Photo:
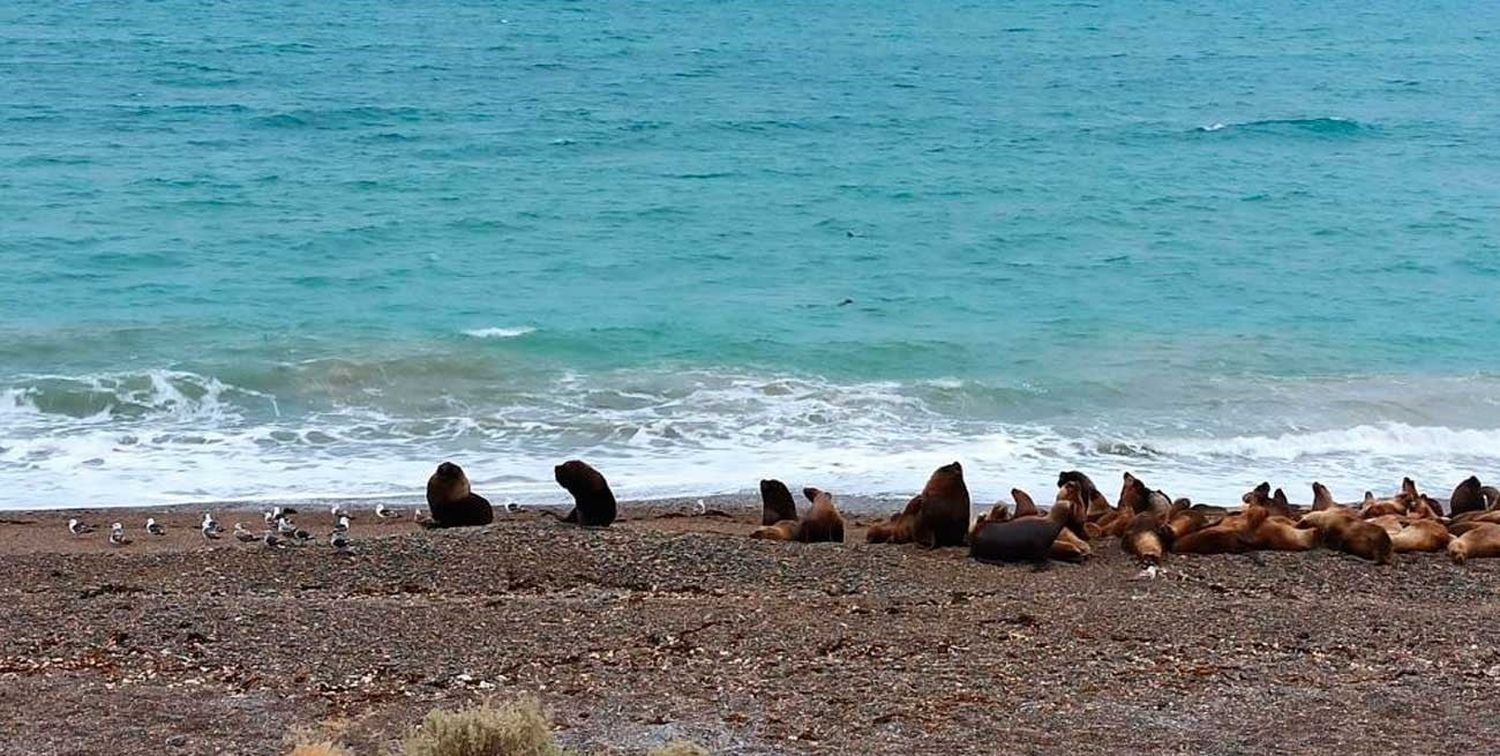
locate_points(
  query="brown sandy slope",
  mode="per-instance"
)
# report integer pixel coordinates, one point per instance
(670, 626)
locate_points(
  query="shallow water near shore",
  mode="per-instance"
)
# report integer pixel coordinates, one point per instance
(703, 246)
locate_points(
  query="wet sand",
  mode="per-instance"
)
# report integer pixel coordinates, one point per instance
(677, 626)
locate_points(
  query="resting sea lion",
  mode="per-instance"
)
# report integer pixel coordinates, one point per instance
(1342, 530)
(1491, 497)
(1148, 538)
(1187, 521)
(943, 519)
(451, 503)
(821, 524)
(1069, 547)
(1481, 541)
(1264, 530)
(1221, 538)
(776, 503)
(898, 529)
(1097, 505)
(1421, 535)
(1467, 497)
(1322, 498)
(593, 502)
(1029, 539)
(1025, 507)
(1134, 496)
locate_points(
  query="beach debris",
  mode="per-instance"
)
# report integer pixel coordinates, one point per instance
(79, 528)
(155, 528)
(1148, 573)
(386, 513)
(117, 535)
(210, 528)
(244, 536)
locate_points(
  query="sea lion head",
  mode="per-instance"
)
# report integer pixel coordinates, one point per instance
(1258, 494)
(1458, 551)
(812, 494)
(449, 470)
(1134, 494)
(448, 483)
(1322, 497)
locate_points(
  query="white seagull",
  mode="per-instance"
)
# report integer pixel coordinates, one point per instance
(78, 528)
(244, 536)
(343, 524)
(511, 506)
(337, 512)
(117, 535)
(339, 540)
(386, 513)
(154, 528)
(285, 526)
(700, 508)
(210, 527)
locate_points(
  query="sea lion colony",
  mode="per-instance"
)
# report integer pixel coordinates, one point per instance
(1148, 524)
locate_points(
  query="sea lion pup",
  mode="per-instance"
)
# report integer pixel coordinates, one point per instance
(1467, 497)
(943, 518)
(1030, 539)
(776, 502)
(593, 502)
(451, 503)
(897, 529)
(1421, 535)
(1483, 540)
(1097, 505)
(1343, 530)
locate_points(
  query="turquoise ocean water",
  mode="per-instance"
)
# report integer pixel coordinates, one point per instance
(280, 249)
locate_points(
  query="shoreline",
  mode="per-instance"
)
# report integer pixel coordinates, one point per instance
(670, 625)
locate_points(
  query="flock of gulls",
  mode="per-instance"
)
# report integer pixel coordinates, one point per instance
(278, 531)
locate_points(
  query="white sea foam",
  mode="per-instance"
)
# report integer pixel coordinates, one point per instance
(499, 333)
(167, 436)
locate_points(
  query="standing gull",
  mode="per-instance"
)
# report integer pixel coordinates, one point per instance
(343, 524)
(154, 528)
(244, 536)
(117, 535)
(210, 527)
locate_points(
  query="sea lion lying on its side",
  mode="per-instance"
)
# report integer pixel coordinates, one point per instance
(1030, 539)
(899, 528)
(1342, 530)
(821, 524)
(593, 502)
(1483, 540)
(451, 503)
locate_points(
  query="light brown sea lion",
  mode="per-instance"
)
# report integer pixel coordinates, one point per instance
(1281, 507)
(776, 502)
(1148, 538)
(943, 519)
(1187, 521)
(593, 502)
(1222, 538)
(1482, 541)
(1421, 535)
(1098, 506)
(1467, 497)
(1374, 507)
(1425, 507)
(1030, 539)
(1069, 547)
(822, 522)
(1024, 505)
(451, 503)
(897, 529)
(1263, 530)
(1322, 498)
(1261, 495)
(1342, 530)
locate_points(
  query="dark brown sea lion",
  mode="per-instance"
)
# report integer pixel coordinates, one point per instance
(1281, 507)
(1481, 541)
(943, 519)
(1343, 530)
(1098, 506)
(451, 503)
(1467, 497)
(1491, 497)
(1134, 495)
(897, 529)
(593, 502)
(1030, 539)
(776, 503)
(1069, 547)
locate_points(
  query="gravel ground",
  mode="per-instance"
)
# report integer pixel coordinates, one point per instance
(674, 626)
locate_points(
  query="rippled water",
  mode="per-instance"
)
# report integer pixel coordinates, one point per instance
(283, 249)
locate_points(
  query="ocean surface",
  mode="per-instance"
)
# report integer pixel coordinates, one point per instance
(287, 249)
